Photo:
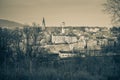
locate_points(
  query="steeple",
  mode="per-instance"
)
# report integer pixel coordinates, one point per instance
(43, 24)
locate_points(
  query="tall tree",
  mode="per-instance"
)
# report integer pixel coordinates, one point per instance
(35, 31)
(112, 7)
(31, 34)
(17, 37)
(5, 48)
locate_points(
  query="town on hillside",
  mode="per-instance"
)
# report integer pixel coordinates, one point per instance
(40, 52)
(69, 41)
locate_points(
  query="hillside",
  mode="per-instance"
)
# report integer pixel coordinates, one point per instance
(10, 24)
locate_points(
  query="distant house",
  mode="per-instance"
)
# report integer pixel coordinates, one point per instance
(105, 29)
(91, 42)
(63, 39)
(112, 41)
(102, 42)
(66, 55)
(92, 29)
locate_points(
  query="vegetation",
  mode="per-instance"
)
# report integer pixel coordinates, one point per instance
(28, 62)
(113, 8)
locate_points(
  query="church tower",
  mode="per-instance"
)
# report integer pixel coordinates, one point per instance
(43, 24)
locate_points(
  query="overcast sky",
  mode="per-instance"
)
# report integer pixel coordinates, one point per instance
(72, 12)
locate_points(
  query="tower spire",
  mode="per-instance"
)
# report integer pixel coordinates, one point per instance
(43, 24)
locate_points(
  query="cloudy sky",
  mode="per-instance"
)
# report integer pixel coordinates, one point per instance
(72, 12)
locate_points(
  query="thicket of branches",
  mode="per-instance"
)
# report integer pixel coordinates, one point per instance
(112, 7)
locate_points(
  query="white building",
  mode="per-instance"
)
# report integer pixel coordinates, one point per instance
(63, 39)
(66, 55)
(92, 29)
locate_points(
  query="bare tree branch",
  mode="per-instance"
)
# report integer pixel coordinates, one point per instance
(112, 7)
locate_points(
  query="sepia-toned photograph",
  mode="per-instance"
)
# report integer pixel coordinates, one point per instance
(59, 39)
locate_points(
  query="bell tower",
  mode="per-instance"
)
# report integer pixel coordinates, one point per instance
(63, 25)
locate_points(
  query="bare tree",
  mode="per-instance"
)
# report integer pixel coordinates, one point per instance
(112, 7)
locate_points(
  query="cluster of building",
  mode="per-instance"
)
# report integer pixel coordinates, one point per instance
(77, 40)
(69, 41)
